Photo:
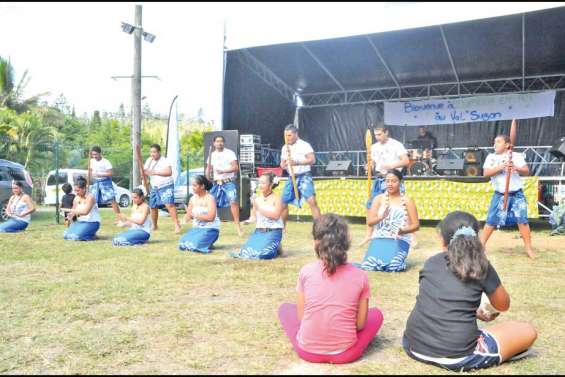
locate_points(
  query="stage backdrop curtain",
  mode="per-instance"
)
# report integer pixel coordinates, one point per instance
(434, 198)
(342, 128)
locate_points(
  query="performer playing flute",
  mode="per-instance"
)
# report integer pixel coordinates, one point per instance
(301, 157)
(496, 166)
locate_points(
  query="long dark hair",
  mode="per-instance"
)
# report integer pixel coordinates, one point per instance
(465, 253)
(139, 192)
(333, 235)
(203, 181)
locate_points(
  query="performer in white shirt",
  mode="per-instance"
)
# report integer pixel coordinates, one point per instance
(162, 186)
(496, 167)
(222, 169)
(302, 156)
(101, 186)
(387, 153)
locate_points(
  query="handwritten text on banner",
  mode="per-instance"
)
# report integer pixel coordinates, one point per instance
(470, 109)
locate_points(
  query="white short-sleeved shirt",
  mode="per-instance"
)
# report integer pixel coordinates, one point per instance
(387, 153)
(298, 151)
(98, 167)
(157, 180)
(222, 160)
(498, 181)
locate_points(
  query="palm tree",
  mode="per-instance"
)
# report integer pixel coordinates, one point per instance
(11, 95)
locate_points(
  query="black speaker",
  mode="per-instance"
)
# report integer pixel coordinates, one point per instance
(558, 149)
(473, 170)
(450, 166)
(338, 168)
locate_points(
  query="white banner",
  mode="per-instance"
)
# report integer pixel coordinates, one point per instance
(470, 109)
(173, 141)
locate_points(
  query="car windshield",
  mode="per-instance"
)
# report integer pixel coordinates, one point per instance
(182, 178)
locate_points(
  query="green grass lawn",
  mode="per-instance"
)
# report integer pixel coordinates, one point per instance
(88, 307)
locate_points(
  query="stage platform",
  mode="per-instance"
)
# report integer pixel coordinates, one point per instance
(435, 196)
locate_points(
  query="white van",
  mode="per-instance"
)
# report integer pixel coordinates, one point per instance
(123, 196)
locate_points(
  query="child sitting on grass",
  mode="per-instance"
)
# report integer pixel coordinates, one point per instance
(331, 322)
(442, 328)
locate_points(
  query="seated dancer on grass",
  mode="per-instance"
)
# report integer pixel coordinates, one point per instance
(19, 210)
(205, 222)
(496, 167)
(265, 242)
(442, 328)
(86, 210)
(139, 222)
(331, 322)
(394, 218)
(386, 154)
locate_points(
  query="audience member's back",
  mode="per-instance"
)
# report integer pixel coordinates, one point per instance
(331, 322)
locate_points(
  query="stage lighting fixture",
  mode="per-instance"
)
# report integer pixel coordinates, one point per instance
(127, 28)
(148, 37)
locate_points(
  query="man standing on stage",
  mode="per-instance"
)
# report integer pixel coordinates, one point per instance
(223, 165)
(160, 171)
(302, 156)
(386, 154)
(101, 186)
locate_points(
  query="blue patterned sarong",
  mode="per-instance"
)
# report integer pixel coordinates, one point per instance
(225, 194)
(199, 240)
(131, 237)
(385, 254)
(260, 245)
(161, 196)
(13, 226)
(516, 213)
(103, 190)
(379, 187)
(82, 231)
(305, 186)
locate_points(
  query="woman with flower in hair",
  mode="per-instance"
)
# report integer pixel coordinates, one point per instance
(331, 321)
(442, 328)
(393, 217)
(265, 242)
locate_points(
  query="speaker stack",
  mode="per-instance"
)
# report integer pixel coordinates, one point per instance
(473, 166)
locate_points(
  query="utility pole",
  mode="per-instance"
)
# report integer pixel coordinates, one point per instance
(138, 32)
(136, 96)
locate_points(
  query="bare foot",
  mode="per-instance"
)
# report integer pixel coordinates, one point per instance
(178, 229)
(154, 228)
(530, 253)
(239, 231)
(364, 241)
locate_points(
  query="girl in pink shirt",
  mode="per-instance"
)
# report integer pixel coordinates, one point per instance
(331, 322)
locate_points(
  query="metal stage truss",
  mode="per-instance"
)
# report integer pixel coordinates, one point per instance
(438, 90)
(454, 89)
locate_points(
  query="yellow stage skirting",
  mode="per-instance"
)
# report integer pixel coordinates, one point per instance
(434, 198)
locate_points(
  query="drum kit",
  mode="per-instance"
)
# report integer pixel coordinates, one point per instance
(421, 162)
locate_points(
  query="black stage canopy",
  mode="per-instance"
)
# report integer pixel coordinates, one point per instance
(339, 85)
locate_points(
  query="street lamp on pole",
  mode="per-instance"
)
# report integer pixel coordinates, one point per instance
(138, 32)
